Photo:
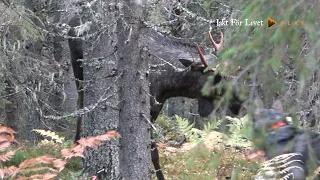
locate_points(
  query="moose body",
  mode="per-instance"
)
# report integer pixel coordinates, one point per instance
(282, 137)
(175, 70)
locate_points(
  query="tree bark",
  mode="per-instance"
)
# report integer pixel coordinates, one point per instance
(57, 97)
(135, 107)
(101, 90)
(115, 79)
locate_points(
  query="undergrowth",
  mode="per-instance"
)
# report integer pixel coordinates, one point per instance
(224, 157)
(205, 164)
(239, 132)
(215, 155)
(20, 162)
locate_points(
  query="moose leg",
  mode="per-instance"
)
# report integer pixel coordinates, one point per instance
(76, 52)
(78, 130)
(154, 112)
(79, 118)
(155, 161)
(78, 72)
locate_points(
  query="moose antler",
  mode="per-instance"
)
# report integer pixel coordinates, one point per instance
(218, 47)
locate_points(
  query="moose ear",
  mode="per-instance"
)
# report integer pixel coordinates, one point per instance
(277, 105)
(186, 62)
(194, 66)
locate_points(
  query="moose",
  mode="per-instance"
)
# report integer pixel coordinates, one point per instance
(175, 70)
(282, 137)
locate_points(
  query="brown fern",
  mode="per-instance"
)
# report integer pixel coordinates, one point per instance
(7, 130)
(46, 176)
(44, 167)
(4, 146)
(59, 164)
(6, 139)
(30, 166)
(8, 155)
(92, 142)
(11, 171)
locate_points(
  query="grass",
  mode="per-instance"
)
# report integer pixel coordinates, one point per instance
(212, 157)
(203, 163)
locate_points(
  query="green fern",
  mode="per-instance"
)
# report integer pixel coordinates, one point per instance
(185, 128)
(192, 134)
(195, 135)
(212, 126)
(183, 124)
(49, 134)
(239, 132)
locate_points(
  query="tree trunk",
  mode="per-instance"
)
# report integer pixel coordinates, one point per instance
(100, 89)
(135, 106)
(56, 98)
(115, 79)
(34, 119)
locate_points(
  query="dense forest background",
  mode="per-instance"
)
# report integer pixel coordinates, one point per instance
(37, 88)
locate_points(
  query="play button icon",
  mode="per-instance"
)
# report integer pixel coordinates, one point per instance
(271, 22)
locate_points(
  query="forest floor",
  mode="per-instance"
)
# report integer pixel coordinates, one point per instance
(207, 159)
